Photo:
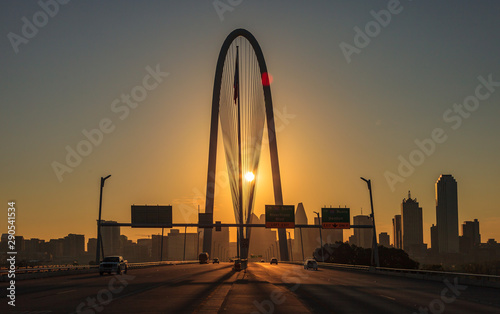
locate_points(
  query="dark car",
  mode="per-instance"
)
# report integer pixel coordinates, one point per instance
(113, 264)
(203, 257)
(310, 263)
(215, 260)
(274, 260)
(237, 265)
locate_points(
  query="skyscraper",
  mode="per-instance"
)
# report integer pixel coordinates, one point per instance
(220, 243)
(412, 227)
(301, 236)
(260, 241)
(363, 236)
(384, 239)
(470, 229)
(470, 236)
(434, 238)
(310, 236)
(330, 235)
(176, 242)
(111, 239)
(447, 214)
(396, 232)
(74, 245)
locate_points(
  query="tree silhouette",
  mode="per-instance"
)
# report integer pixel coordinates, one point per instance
(343, 253)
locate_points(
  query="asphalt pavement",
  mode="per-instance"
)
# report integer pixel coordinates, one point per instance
(263, 288)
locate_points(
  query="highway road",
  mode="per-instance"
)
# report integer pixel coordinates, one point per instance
(263, 288)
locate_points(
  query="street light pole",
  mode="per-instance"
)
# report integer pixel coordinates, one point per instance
(301, 244)
(321, 237)
(99, 240)
(161, 248)
(184, 255)
(198, 244)
(291, 250)
(375, 259)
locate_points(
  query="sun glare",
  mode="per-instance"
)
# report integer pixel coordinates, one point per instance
(249, 176)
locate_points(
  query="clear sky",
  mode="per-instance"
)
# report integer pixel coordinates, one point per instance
(337, 121)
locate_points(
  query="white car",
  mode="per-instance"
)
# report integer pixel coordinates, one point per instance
(310, 263)
(115, 264)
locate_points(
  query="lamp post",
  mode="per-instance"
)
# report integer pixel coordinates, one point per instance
(161, 248)
(291, 251)
(99, 238)
(301, 244)
(184, 255)
(198, 244)
(321, 238)
(375, 259)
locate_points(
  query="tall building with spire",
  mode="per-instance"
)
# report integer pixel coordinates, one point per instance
(261, 240)
(306, 239)
(412, 226)
(447, 214)
(300, 234)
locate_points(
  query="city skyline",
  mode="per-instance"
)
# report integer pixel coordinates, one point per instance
(411, 204)
(418, 100)
(407, 235)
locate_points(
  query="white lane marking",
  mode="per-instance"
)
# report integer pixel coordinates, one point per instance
(390, 298)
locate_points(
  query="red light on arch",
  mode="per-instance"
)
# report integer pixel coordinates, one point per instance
(267, 79)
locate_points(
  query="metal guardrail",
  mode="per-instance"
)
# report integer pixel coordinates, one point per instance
(475, 279)
(50, 268)
(164, 263)
(440, 273)
(58, 268)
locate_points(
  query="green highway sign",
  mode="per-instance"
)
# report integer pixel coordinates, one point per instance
(280, 216)
(335, 218)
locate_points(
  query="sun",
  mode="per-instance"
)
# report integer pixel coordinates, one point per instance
(249, 176)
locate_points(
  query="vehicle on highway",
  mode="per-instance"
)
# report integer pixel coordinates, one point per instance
(237, 265)
(215, 260)
(262, 261)
(310, 263)
(274, 260)
(203, 257)
(113, 264)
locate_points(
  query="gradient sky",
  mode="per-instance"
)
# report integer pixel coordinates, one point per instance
(338, 120)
